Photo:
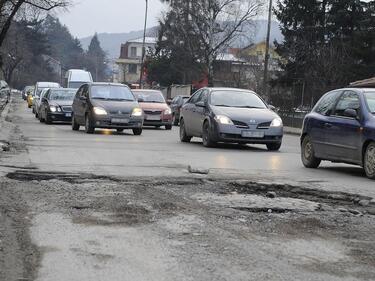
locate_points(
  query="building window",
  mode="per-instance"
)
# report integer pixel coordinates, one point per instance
(133, 52)
(132, 68)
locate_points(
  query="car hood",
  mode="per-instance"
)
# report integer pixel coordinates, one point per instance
(246, 114)
(125, 107)
(61, 102)
(153, 106)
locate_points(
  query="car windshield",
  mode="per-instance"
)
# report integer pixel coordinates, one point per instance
(116, 93)
(240, 99)
(370, 99)
(152, 97)
(60, 95)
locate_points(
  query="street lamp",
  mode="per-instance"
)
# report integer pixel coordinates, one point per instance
(267, 57)
(143, 46)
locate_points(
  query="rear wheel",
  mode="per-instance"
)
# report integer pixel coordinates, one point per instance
(168, 127)
(206, 136)
(48, 119)
(75, 125)
(137, 131)
(274, 146)
(369, 161)
(89, 126)
(308, 154)
(183, 136)
(41, 119)
(175, 120)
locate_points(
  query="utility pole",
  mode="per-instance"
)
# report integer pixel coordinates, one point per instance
(143, 46)
(267, 57)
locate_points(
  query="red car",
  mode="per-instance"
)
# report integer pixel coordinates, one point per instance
(156, 111)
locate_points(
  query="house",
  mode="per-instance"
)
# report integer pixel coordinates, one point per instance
(130, 60)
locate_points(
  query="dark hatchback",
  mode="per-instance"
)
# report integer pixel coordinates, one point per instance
(56, 106)
(106, 106)
(176, 105)
(341, 128)
(230, 116)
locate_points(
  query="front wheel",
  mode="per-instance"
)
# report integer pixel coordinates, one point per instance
(206, 136)
(308, 154)
(89, 126)
(137, 131)
(168, 127)
(274, 146)
(183, 136)
(119, 130)
(369, 161)
(48, 119)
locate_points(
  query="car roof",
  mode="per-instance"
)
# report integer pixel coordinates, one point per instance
(357, 89)
(146, 90)
(47, 84)
(106, 84)
(228, 89)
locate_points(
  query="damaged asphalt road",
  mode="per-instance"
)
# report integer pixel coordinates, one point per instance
(71, 223)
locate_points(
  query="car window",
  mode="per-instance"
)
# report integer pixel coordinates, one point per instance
(348, 100)
(234, 98)
(194, 99)
(326, 103)
(370, 99)
(203, 96)
(175, 100)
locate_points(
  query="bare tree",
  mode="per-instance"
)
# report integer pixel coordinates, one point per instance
(207, 27)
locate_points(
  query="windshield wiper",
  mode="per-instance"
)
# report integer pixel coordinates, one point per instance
(246, 106)
(120, 99)
(223, 105)
(99, 98)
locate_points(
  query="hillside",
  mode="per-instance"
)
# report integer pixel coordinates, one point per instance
(111, 42)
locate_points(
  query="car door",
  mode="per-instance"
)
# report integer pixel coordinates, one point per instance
(318, 122)
(199, 113)
(188, 112)
(344, 132)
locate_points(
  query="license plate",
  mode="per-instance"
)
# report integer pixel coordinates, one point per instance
(153, 117)
(68, 115)
(119, 121)
(253, 134)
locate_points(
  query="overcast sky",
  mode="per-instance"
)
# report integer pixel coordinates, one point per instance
(86, 17)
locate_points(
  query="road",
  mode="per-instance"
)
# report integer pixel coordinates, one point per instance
(113, 206)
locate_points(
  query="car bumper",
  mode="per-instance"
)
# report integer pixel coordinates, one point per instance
(60, 117)
(157, 123)
(113, 122)
(233, 134)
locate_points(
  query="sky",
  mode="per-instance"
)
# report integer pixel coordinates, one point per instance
(85, 17)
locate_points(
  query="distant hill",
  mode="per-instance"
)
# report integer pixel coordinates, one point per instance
(111, 42)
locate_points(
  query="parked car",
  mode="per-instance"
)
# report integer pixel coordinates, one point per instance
(39, 87)
(232, 116)
(25, 91)
(107, 106)
(75, 78)
(56, 105)
(156, 111)
(176, 105)
(341, 128)
(4, 92)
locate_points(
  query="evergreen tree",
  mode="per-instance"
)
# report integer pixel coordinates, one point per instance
(96, 58)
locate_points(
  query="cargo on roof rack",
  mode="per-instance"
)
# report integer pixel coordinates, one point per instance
(364, 83)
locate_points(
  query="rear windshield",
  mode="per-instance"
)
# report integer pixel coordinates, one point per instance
(153, 97)
(116, 93)
(57, 95)
(370, 99)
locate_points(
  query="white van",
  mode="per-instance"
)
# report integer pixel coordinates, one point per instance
(75, 78)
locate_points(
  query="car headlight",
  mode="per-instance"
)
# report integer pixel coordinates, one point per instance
(168, 111)
(277, 122)
(222, 119)
(53, 108)
(137, 112)
(100, 111)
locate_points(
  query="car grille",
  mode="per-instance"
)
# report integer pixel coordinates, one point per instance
(149, 112)
(67, 108)
(119, 112)
(240, 124)
(265, 125)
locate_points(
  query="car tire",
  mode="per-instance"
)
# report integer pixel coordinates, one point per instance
(119, 130)
(75, 125)
(36, 114)
(274, 146)
(137, 131)
(48, 120)
(308, 155)
(175, 120)
(206, 136)
(369, 161)
(41, 119)
(89, 126)
(183, 136)
(33, 110)
(29, 106)
(168, 127)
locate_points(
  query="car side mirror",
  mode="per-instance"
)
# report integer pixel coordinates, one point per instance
(351, 113)
(200, 104)
(271, 107)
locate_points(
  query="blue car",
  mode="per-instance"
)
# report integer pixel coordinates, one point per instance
(341, 128)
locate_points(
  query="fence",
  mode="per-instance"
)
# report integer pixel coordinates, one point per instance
(292, 118)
